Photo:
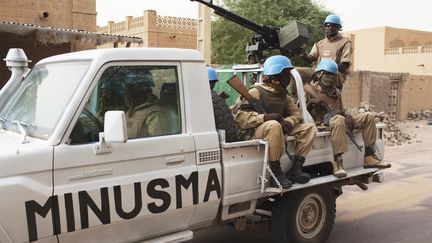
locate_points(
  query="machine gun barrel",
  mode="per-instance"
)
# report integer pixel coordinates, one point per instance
(233, 17)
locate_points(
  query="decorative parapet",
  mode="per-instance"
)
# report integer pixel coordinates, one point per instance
(427, 49)
(411, 50)
(119, 27)
(103, 29)
(408, 50)
(137, 23)
(162, 23)
(169, 22)
(392, 51)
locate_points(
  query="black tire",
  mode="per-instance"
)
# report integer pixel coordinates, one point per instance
(223, 118)
(305, 216)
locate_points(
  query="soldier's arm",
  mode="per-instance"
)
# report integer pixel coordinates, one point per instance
(294, 116)
(343, 109)
(312, 56)
(345, 61)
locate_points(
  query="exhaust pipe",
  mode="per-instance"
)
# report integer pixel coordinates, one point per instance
(17, 63)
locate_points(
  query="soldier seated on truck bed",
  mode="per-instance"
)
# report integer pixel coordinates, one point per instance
(324, 103)
(282, 117)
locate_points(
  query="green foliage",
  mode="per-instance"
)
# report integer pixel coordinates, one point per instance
(229, 39)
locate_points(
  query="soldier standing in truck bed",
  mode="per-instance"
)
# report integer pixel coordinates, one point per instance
(333, 47)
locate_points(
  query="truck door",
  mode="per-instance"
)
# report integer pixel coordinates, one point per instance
(137, 189)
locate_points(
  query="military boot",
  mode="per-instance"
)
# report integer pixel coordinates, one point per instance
(295, 173)
(338, 169)
(277, 171)
(371, 160)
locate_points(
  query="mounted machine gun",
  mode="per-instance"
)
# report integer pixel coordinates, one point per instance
(287, 39)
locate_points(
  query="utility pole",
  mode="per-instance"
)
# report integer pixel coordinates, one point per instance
(204, 32)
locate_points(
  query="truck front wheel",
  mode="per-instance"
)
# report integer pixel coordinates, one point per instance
(305, 215)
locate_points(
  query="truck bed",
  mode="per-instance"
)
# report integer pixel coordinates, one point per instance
(243, 166)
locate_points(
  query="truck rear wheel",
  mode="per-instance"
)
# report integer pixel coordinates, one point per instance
(305, 215)
(223, 118)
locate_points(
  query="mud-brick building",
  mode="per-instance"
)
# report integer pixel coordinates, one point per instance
(387, 49)
(392, 70)
(50, 27)
(156, 30)
(67, 14)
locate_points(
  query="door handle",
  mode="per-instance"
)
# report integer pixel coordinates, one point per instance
(91, 173)
(175, 159)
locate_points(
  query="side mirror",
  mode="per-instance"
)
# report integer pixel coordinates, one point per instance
(115, 129)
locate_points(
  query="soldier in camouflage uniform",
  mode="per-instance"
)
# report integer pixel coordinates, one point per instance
(282, 117)
(333, 47)
(322, 94)
(145, 116)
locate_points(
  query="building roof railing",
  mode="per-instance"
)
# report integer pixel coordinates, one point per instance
(408, 50)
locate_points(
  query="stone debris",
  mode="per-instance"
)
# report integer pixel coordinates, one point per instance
(420, 115)
(393, 135)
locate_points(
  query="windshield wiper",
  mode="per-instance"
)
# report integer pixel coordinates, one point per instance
(22, 130)
(2, 122)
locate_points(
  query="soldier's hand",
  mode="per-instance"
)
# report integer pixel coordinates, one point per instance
(314, 102)
(349, 122)
(343, 66)
(224, 95)
(273, 116)
(286, 127)
(299, 51)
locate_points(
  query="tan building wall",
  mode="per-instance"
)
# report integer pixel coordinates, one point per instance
(386, 49)
(157, 31)
(394, 93)
(396, 37)
(416, 94)
(70, 14)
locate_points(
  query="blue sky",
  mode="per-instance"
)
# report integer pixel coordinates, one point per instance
(414, 14)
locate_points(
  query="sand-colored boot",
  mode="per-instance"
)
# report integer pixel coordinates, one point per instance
(371, 160)
(338, 169)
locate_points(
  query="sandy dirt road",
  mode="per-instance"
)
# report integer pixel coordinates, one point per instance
(397, 211)
(400, 209)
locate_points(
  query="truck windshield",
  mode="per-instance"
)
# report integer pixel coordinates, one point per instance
(43, 97)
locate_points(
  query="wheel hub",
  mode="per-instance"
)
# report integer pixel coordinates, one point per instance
(311, 215)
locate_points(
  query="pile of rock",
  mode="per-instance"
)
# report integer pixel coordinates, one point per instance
(420, 115)
(393, 135)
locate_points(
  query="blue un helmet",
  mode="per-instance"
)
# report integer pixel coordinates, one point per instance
(139, 84)
(333, 19)
(327, 65)
(144, 78)
(212, 75)
(276, 64)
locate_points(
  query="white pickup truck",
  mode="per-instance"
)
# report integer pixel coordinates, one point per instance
(71, 172)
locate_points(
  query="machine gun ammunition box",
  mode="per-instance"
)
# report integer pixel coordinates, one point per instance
(293, 35)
